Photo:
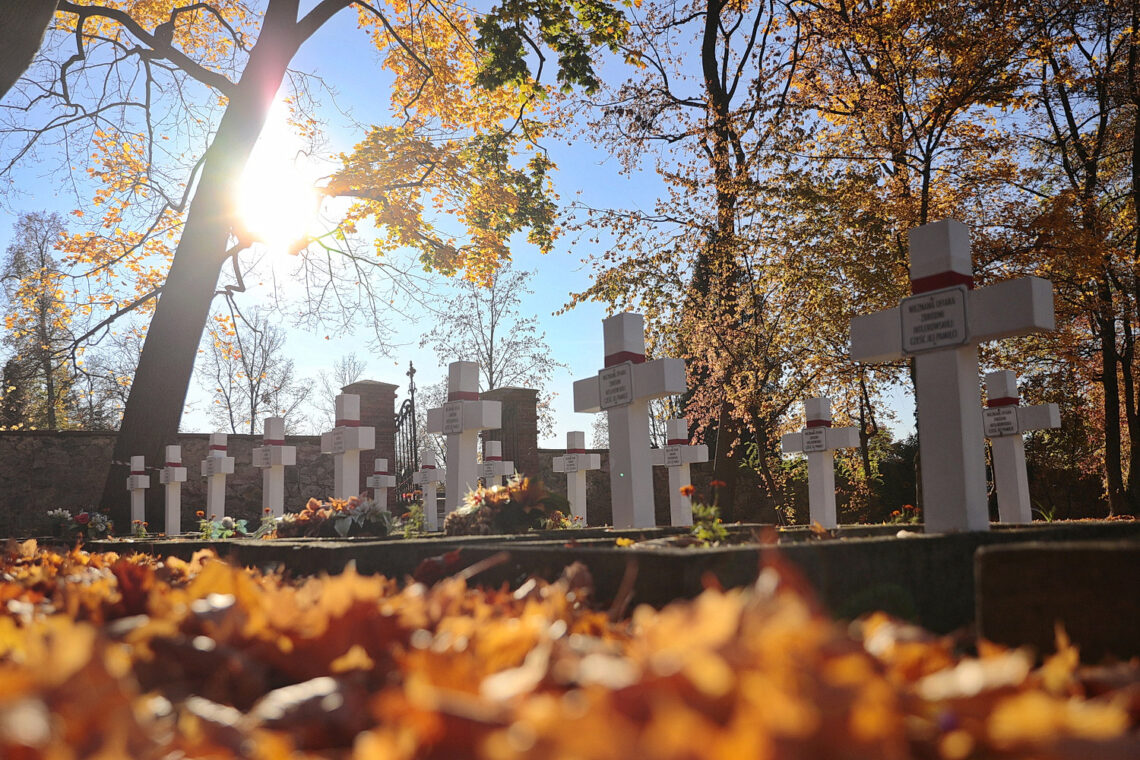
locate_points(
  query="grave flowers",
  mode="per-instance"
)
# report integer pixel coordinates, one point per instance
(522, 504)
(336, 518)
(90, 525)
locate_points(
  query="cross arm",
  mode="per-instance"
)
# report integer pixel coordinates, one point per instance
(660, 377)
(843, 438)
(586, 395)
(792, 443)
(1038, 417)
(1013, 307)
(876, 337)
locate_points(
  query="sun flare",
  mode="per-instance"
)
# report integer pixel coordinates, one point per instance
(276, 199)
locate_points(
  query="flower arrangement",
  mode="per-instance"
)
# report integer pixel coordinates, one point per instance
(908, 515)
(336, 517)
(520, 505)
(227, 527)
(139, 528)
(85, 523)
(413, 522)
(707, 525)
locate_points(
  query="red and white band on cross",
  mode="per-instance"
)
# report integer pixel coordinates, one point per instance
(347, 423)
(217, 447)
(274, 442)
(1004, 401)
(818, 423)
(575, 451)
(941, 280)
(624, 356)
(463, 396)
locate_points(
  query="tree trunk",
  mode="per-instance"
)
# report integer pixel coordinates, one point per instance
(158, 393)
(22, 27)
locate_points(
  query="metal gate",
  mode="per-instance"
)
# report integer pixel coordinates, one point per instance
(407, 445)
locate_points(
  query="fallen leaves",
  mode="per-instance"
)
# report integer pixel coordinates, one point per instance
(133, 657)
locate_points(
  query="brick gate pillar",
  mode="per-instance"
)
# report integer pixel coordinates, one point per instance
(519, 431)
(378, 410)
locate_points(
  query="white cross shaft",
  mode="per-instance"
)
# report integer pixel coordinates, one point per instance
(819, 441)
(493, 469)
(173, 475)
(380, 481)
(677, 455)
(345, 442)
(461, 419)
(137, 483)
(623, 390)
(272, 457)
(1004, 420)
(941, 326)
(428, 479)
(575, 463)
(215, 467)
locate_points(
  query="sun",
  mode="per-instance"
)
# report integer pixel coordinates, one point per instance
(276, 198)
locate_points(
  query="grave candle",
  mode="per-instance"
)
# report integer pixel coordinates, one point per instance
(575, 463)
(428, 478)
(173, 475)
(819, 441)
(345, 442)
(623, 389)
(494, 469)
(215, 467)
(461, 419)
(380, 481)
(272, 457)
(677, 455)
(941, 325)
(1003, 422)
(137, 483)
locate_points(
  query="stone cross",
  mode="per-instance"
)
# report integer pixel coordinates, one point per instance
(461, 419)
(380, 481)
(428, 478)
(272, 457)
(345, 442)
(173, 475)
(494, 469)
(677, 455)
(137, 483)
(575, 463)
(216, 466)
(623, 390)
(818, 441)
(941, 325)
(1003, 421)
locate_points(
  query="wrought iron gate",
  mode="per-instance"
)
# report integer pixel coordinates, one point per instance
(407, 445)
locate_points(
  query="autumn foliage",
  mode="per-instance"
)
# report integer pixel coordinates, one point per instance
(110, 656)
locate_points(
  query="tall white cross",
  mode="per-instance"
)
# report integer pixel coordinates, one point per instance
(380, 481)
(1004, 420)
(461, 419)
(818, 441)
(494, 469)
(677, 455)
(272, 457)
(345, 442)
(623, 390)
(215, 467)
(428, 478)
(575, 463)
(941, 326)
(173, 475)
(137, 483)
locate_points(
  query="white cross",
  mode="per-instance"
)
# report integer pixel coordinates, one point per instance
(173, 475)
(1004, 420)
(380, 481)
(575, 463)
(677, 455)
(623, 390)
(216, 466)
(428, 477)
(272, 457)
(818, 441)
(137, 483)
(461, 419)
(941, 325)
(494, 469)
(345, 442)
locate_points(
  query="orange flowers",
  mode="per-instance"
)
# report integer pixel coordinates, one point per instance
(687, 490)
(717, 484)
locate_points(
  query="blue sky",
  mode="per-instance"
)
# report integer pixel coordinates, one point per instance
(337, 55)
